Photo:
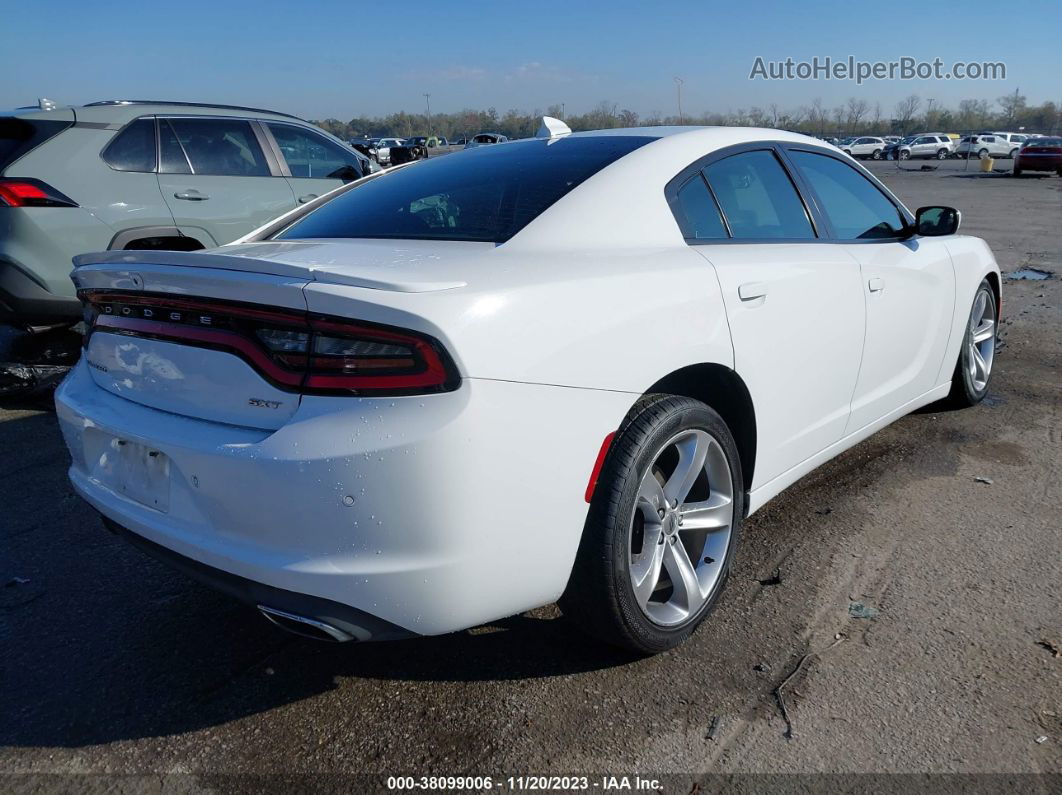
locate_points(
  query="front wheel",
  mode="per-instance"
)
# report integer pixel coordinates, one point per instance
(662, 527)
(904, 155)
(969, 383)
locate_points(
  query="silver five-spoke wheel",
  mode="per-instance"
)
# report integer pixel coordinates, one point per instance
(982, 339)
(681, 527)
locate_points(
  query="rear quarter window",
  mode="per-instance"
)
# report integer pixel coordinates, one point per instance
(133, 149)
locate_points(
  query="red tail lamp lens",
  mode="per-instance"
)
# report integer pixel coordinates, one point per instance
(296, 352)
(31, 193)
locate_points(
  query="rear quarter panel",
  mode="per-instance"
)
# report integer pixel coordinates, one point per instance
(609, 319)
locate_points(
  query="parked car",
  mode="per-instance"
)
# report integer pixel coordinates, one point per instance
(136, 175)
(1039, 154)
(384, 147)
(864, 146)
(441, 141)
(366, 146)
(990, 145)
(485, 139)
(328, 418)
(891, 139)
(923, 145)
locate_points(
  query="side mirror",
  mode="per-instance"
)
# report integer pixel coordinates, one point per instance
(937, 221)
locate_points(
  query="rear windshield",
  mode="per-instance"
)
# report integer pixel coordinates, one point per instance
(19, 136)
(487, 194)
(1033, 142)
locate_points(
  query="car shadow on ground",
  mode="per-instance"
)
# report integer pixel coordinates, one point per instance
(99, 642)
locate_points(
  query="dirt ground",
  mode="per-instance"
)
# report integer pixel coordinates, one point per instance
(945, 528)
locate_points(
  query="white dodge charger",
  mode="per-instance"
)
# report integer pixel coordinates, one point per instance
(563, 368)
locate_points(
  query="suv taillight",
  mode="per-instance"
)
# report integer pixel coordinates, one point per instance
(24, 192)
(309, 354)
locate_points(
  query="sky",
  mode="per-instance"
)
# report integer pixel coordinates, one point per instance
(344, 59)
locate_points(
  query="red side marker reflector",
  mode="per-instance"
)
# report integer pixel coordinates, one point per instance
(600, 462)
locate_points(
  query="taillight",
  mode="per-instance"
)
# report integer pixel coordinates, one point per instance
(298, 353)
(350, 355)
(19, 192)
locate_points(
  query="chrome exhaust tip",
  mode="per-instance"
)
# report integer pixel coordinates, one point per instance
(307, 627)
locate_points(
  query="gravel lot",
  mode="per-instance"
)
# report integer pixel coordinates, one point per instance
(112, 663)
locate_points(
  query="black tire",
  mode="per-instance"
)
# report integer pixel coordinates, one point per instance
(876, 155)
(1013, 154)
(903, 154)
(964, 392)
(942, 154)
(600, 596)
(1017, 171)
(982, 154)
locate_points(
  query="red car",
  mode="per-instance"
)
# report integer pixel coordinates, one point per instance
(1039, 154)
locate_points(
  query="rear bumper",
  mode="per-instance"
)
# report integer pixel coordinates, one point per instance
(357, 624)
(429, 514)
(1038, 162)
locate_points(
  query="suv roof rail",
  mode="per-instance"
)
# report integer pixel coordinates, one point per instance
(186, 105)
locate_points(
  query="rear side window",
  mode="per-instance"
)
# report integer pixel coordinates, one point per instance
(758, 198)
(484, 194)
(697, 212)
(133, 149)
(222, 147)
(313, 156)
(19, 136)
(856, 208)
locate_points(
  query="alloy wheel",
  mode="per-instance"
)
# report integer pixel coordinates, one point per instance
(981, 339)
(681, 528)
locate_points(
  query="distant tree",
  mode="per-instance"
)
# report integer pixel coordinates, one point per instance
(906, 110)
(855, 109)
(1012, 105)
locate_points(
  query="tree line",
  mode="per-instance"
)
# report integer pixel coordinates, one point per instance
(854, 117)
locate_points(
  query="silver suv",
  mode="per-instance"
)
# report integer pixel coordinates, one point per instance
(995, 144)
(923, 145)
(137, 175)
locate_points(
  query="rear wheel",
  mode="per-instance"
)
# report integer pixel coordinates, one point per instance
(662, 527)
(877, 154)
(983, 154)
(941, 154)
(973, 371)
(1017, 171)
(1013, 154)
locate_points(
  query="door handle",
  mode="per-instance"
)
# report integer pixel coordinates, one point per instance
(876, 285)
(309, 197)
(191, 195)
(750, 291)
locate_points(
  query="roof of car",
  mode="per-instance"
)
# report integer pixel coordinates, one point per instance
(707, 139)
(127, 109)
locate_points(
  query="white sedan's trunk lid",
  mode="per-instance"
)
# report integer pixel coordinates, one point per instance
(129, 353)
